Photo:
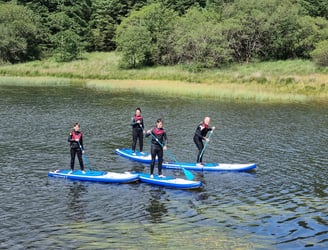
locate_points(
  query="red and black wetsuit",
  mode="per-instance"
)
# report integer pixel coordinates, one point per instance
(137, 132)
(159, 140)
(200, 134)
(76, 147)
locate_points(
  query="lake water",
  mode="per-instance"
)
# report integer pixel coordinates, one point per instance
(280, 205)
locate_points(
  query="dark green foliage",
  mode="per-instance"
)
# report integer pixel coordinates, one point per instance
(68, 46)
(156, 22)
(18, 34)
(200, 34)
(320, 54)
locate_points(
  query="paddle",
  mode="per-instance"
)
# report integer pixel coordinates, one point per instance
(187, 173)
(211, 132)
(85, 157)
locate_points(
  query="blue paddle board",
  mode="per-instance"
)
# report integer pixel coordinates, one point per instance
(146, 158)
(169, 182)
(209, 166)
(137, 156)
(97, 176)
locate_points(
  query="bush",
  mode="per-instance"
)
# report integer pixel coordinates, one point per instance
(320, 54)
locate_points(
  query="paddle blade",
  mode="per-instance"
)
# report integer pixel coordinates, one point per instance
(188, 174)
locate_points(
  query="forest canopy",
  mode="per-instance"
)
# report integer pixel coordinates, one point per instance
(203, 33)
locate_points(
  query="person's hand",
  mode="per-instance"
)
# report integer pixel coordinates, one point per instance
(138, 121)
(148, 131)
(206, 139)
(213, 127)
(77, 140)
(165, 147)
(82, 151)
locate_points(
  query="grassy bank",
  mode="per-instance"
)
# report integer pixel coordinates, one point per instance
(271, 81)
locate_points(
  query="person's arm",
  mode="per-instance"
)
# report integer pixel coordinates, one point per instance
(133, 122)
(148, 133)
(81, 143)
(198, 132)
(165, 141)
(69, 139)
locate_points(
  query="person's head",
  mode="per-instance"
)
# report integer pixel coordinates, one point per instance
(138, 111)
(76, 126)
(159, 123)
(207, 120)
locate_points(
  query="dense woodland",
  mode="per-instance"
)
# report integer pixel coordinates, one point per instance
(203, 33)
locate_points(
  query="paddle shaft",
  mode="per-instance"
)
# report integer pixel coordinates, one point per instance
(203, 150)
(187, 173)
(85, 157)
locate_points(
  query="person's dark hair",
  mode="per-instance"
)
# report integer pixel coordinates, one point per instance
(138, 109)
(76, 124)
(159, 120)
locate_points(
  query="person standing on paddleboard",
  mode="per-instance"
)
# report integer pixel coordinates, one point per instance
(200, 135)
(76, 142)
(158, 144)
(137, 131)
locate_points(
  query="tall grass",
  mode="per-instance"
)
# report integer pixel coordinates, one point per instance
(281, 80)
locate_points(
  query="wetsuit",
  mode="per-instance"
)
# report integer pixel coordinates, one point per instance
(75, 148)
(156, 148)
(137, 132)
(200, 134)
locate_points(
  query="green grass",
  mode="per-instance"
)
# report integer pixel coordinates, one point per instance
(293, 80)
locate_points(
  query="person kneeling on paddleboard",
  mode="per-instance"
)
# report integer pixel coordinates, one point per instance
(200, 135)
(76, 141)
(158, 144)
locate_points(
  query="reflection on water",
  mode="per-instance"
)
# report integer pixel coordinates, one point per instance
(156, 208)
(76, 205)
(280, 205)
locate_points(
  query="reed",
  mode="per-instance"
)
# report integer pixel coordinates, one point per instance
(296, 80)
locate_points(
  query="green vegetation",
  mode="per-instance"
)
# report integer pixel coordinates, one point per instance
(292, 80)
(202, 34)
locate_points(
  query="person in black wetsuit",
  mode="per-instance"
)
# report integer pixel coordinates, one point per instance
(76, 142)
(137, 130)
(158, 144)
(200, 135)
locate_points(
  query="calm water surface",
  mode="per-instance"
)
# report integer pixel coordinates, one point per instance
(280, 205)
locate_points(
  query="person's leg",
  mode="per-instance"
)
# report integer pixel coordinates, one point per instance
(160, 160)
(79, 156)
(153, 158)
(134, 139)
(141, 140)
(200, 146)
(72, 158)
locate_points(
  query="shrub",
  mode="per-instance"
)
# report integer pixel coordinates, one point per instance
(320, 54)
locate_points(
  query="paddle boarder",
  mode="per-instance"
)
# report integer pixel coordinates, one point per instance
(76, 143)
(158, 144)
(200, 135)
(137, 131)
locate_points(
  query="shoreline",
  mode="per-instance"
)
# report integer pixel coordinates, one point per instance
(253, 92)
(279, 81)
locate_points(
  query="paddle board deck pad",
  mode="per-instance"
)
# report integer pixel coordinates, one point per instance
(209, 166)
(97, 176)
(138, 156)
(168, 181)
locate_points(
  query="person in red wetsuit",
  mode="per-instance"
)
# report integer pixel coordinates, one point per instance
(200, 135)
(158, 144)
(137, 130)
(76, 143)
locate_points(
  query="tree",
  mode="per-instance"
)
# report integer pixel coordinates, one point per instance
(320, 54)
(106, 16)
(68, 46)
(200, 41)
(18, 33)
(148, 30)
